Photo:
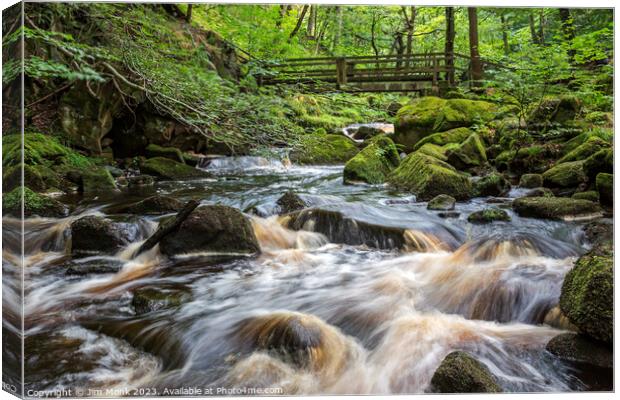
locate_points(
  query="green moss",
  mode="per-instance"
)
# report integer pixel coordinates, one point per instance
(461, 373)
(605, 134)
(462, 113)
(565, 175)
(590, 195)
(468, 154)
(592, 145)
(493, 184)
(319, 148)
(601, 161)
(373, 163)
(605, 187)
(488, 215)
(600, 118)
(443, 202)
(39, 149)
(34, 204)
(531, 181)
(587, 294)
(33, 178)
(428, 177)
(98, 180)
(416, 120)
(170, 169)
(555, 109)
(456, 135)
(153, 150)
(554, 207)
(433, 150)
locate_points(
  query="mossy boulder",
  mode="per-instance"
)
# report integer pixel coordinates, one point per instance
(443, 202)
(488, 215)
(34, 204)
(32, 178)
(530, 181)
(554, 207)
(97, 181)
(92, 235)
(601, 161)
(321, 148)
(591, 195)
(536, 158)
(459, 372)
(464, 113)
(212, 229)
(289, 202)
(592, 145)
(427, 177)
(457, 135)
(374, 163)
(539, 192)
(587, 296)
(559, 110)
(605, 187)
(566, 175)
(433, 150)
(153, 150)
(493, 184)
(468, 154)
(579, 349)
(155, 205)
(170, 169)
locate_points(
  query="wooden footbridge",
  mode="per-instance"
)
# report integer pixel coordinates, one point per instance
(384, 73)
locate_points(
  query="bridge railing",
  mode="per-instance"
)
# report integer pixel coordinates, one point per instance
(432, 67)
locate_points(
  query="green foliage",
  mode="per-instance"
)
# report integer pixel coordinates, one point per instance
(39, 149)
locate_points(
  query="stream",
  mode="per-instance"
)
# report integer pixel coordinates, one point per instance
(380, 320)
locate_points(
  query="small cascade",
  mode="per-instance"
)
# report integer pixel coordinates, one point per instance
(238, 164)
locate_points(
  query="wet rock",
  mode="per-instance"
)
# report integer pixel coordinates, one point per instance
(155, 205)
(153, 150)
(539, 192)
(442, 202)
(96, 235)
(488, 215)
(555, 208)
(493, 184)
(587, 294)
(428, 177)
(373, 163)
(605, 187)
(565, 175)
(114, 171)
(449, 214)
(470, 153)
(322, 148)
(212, 229)
(34, 204)
(531, 181)
(170, 169)
(366, 132)
(97, 181)
(589, 195)
(192, 159)
(579, 349)
(150, 299)
(140, 180)
(556, 318)
(459, 372)
(93, 267)
(599, 232)
(601, 161)
(290, 202)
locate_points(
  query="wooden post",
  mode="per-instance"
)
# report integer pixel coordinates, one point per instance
(341, 71)
(435, 74)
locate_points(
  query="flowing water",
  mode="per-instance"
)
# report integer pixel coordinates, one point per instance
(306, 316)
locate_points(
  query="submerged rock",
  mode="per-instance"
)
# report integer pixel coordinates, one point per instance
(94, 267)
(555, 207)
(428, 177)
(373, 163)
(605, 187)
(587, 294)
(170, 169)
(212, 229)
(34, 204)
(531, 181)
(443, 202)
(488, 215)
(96, 235)
(459, 372)
(493, 184)
(152, 299)
(579, 349)
(155, 205)
(290, 202)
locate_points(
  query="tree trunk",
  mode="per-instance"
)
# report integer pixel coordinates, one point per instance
(568, 31)
(541, 29)
(533, 29)
(476, 64)
(505, 35)
(188, 16)
(449, 47)
(373, 42)
(311, 29)
(300, 20)
(338, 31)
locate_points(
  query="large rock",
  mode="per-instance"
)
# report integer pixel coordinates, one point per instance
(151, 299)
(290, 202)
(591, 195)
(587, 297)
(96, 235)
(34, 204)
(557, 110)
(468, 154)
(601, 161)
(493, 184)
(592, 145)
(170, 169)
(579, 349)
(457, 135)
(321, 148)
(32, 178)
(605, 187)
(212, 229)
(555, 208)
(98, 180)
(531, 159)
(565, 175)
(155, 205)
(153, 150)
(428, 177)
(531, 181)
(374, 163)
(488, 215)
(464, 113)
(443, 202)
(439, 152)
(459, 372)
